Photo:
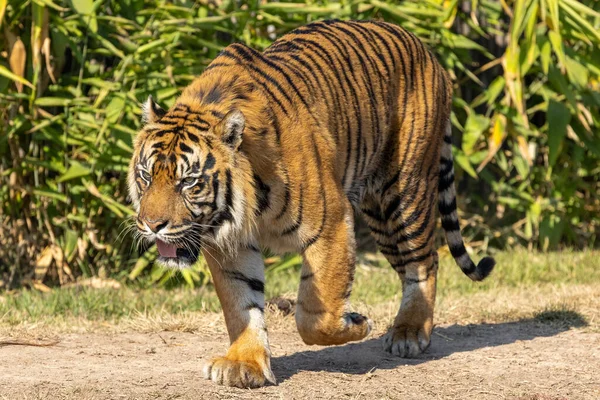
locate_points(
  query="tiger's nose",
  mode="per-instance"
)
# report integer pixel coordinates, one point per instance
(156, 225)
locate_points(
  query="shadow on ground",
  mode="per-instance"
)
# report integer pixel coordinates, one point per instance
(362, 357)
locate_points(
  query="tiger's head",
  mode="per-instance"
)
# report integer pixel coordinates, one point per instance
(181, 179)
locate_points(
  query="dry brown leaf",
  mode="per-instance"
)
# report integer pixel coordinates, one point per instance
(43, 263)
(82, 246)
(40, 286)
(17, 57)
(96, 283)
(46, 50)
(495, 139)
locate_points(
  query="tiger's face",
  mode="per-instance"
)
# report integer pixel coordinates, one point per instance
(180, 180)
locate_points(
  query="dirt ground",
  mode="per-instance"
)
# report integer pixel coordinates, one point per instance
(528, 359)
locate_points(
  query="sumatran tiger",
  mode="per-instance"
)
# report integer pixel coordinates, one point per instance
(277, 150)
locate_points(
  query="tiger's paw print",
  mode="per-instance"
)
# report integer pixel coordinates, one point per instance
(406, 341)
(241, 374)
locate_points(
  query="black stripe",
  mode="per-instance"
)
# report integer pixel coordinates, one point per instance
(216, 114)
(450, 223)
(217, 65)
(209, 163)
(248, 53)
(229, 191)
(255, 284)
(286, 195)
(298, 222)
(288, 80)
(445, 208)
(314, 312)
(185, 148)
(199, 124)
(262, 195)
(252, 247)
(193, 137)
(307, 276)
(445, 182)
(213, 96)
(446, 165)
(412, 260)
(391, 208)
(254, 305)
(373, 214)
(457, 250)
(390, 183)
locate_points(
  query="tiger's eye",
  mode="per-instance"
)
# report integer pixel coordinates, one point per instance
(145, 175)
(189, 181)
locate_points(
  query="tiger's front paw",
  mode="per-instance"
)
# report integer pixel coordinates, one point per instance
(406, 341)
(242, 374)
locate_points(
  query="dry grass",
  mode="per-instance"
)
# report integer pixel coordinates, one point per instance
(560, 288)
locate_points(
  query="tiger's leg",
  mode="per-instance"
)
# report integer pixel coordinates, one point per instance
(239, 281)
(322, 313)
(405, 236)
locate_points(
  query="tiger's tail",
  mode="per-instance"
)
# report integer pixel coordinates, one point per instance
(447, 207)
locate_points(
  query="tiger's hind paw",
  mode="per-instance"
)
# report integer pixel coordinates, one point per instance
(333, 331)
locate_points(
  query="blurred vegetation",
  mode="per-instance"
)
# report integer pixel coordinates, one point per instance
(73, 74)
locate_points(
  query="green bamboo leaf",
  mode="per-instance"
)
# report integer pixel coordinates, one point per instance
(109, 46)
(301, 8)
(114, 109)
(144, 261)
(151, 46)
(284, 264)
(545, 55)
(518, 21)
(455, 41)
(52, 102)
(70, 243)
(581, 22)
(85, 9)
(557, 44)
(553, 11)
(577, 72)
(48, 3)
(581, 8)
(51, 194)
(495, 89)
(5, 72)
(561, 85)
(463, 161)
(76, 170)
(558, 116)
(189, 276)
(474, 127)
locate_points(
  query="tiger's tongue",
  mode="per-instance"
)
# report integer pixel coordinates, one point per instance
(165, 249)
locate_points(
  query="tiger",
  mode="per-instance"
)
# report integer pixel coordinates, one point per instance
(278, 150)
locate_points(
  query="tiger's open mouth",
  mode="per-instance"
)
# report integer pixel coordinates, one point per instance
(172, 256)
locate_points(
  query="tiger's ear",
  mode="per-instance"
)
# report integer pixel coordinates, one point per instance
(151, 111)
(231, 128)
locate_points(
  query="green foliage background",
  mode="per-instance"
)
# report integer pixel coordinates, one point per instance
(73, 74)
